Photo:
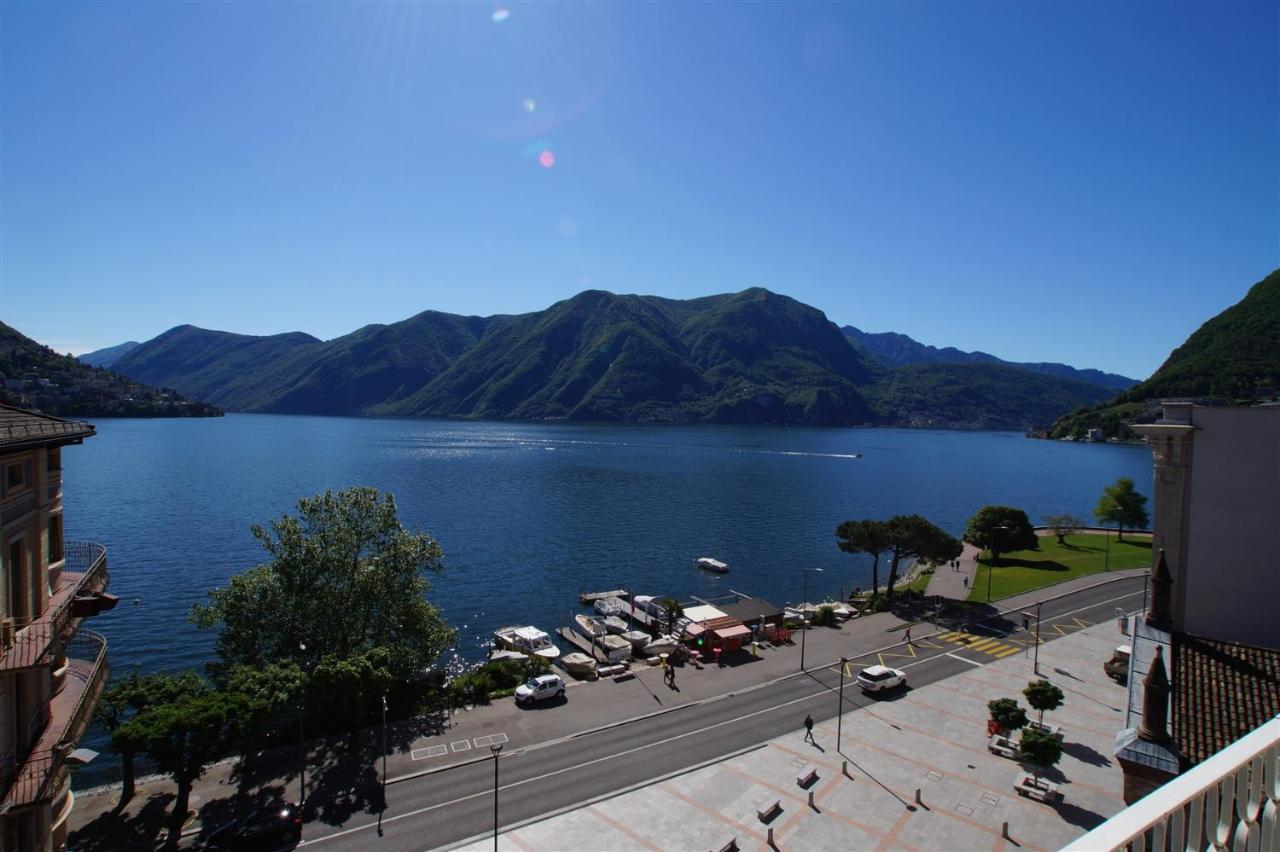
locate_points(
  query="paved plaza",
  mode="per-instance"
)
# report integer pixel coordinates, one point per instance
(931, 740)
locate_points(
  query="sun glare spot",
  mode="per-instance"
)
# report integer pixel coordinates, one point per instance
(529, 104)
(546, 159)
(500, 15)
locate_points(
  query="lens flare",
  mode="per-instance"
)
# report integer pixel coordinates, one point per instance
(546, 159)
(500, 15)
(529, 104)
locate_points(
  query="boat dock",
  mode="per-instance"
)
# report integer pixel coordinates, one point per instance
(588, 598)
(580, 642)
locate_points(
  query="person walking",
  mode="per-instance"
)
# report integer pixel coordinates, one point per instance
(808, 729)
(908, 635)
(966, 581)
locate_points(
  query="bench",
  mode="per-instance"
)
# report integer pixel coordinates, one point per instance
(804, 779)
(768, 810)
(1002, 746)
(730, 845)
(1045, 791)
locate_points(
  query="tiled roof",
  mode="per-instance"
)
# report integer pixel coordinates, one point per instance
(19, 427)
(1221, 691)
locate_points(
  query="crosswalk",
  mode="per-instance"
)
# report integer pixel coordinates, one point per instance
(984, 644)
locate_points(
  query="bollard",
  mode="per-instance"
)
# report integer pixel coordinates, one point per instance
(811, 800)
(770, 836)
(844, 768)
(1004, 830)
(919, 801)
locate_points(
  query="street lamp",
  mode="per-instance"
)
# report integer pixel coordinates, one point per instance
(384, 746)
(991, 567)
(844, 661)
(804, 611)
(496, 749)
(302, 736)
(1035, 667)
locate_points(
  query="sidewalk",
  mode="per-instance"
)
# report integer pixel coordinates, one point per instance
(954, 583)
(918, 776)
(425, 744)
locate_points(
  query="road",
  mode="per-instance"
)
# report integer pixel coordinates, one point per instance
(452, 805)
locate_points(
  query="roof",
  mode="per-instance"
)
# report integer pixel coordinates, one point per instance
(1221, 691)
(751, 609)
(733, 631)
(703, 612)
(876, 670)
(22, 428)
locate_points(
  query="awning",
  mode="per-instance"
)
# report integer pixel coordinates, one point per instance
(694, 630)
(735, 632)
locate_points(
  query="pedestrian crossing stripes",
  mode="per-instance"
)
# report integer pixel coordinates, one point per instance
(977, 642)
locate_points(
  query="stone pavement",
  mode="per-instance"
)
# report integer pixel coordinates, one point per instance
(929, 741)
(951, 582)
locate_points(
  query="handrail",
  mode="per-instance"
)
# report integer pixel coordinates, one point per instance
(1216, 804)
(25, 642)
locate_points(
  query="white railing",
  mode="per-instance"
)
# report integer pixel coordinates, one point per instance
(1230, 801)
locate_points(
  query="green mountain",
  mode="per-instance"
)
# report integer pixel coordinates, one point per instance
(108, 356)
(899, 350)
(34, 376)
(749, 357)
(1234, 358)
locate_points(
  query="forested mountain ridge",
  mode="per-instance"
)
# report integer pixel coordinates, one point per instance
(749, 357)
(108, 356)
(1233, 357)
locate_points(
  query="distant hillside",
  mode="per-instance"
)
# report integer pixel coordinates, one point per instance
(898, 350)
(108, 356)
(1234, 357)
(34, 376)
(749, 357)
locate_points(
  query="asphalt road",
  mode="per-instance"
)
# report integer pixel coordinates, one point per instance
(457, 803)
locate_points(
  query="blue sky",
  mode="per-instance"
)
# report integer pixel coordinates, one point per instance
(1072, 182)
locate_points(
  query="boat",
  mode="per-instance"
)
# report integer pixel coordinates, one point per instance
(637, 638)
(526, 640)
(588, 626)
(661, 645)
(609, 606)
(614, 624)
(578, 664)
(715, 566)
(615, 648)
(495, 656)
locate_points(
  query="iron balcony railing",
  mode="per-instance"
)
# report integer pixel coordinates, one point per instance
(30, 779)
(27, 642)
(1230, 801)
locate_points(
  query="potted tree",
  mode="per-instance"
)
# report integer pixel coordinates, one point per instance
(1006, 717)
(1042, 696)
(1040, 751)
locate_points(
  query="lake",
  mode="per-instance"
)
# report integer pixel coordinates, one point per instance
(531, 514)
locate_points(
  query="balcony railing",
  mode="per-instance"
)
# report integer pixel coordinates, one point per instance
(27, 642)
(30, 779)
(1230, 801)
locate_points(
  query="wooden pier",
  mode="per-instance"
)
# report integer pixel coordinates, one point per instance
(588, 598)
(580, 642)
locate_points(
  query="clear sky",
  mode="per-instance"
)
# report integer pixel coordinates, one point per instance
(1076, 182)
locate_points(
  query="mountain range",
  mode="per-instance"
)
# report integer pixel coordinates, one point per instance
(107, 357)
(748, 357)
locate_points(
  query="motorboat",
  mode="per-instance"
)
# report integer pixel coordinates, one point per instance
(515, 656)
(615, 648)
(614, 624)
(526, 640)
(661, 645)
(637, 638)
(578, 664)
(715, 566)
(589, 627)
(609, 606)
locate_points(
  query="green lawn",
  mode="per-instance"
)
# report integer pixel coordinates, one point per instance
(1083, 553)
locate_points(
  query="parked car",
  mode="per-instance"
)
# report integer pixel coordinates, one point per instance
(540, 687)
(264, 828)
(880, 678)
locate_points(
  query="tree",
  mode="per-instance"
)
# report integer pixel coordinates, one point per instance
(351, 685)
(1042, 696)
(869, 537)
(673, 609)
(1063, 525)
(1040, 750)
(124, 700)
(1000, 529)
(1122, 505)
(345, 577)
(185, 734)
(911, 536)
(1007, 715)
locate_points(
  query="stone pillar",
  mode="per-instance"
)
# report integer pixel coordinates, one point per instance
(1161, 607)
(1170, 440)
(1155, 702)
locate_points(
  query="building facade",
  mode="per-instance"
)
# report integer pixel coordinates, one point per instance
(51, 671)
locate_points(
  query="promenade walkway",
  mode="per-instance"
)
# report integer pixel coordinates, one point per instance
(954, 583)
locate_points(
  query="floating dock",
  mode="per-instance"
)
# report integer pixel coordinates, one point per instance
(588, 598)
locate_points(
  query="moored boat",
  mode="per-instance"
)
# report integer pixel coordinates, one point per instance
(588, 626)
(615, 648)
(715, 566)
(614, 624)
(637, 638)
(526, 640)
(609, 606)
(578, 664)
(661, 645)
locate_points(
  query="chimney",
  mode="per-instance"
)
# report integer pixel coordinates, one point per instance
(1155, 702)
(1161, 595)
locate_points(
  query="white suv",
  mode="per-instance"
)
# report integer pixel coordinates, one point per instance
(880, 678)
(540, 687)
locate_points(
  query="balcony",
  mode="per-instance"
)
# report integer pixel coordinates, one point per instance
(27, 642)
(33, 779)
(1229, 801)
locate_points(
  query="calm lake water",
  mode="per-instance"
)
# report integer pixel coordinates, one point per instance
(531, 514)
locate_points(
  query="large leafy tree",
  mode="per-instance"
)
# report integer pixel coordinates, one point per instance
(1000, 529)
(345, 577)
(185, 734)
(351, 685)
(1063, 525)
(911, 536)
(1039, 750)
(869, 537)
(1122, 505)
(125, 699)
(1043, 695)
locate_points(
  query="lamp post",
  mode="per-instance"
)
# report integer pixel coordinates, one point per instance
(302, 736)
(844, 661)
(804, 611)
(496, 749)
(1035, 667)
(384, 746)
(1106, 559)
(991, 567)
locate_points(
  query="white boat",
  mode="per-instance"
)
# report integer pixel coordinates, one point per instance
(715, 566)
(637, 638)
(609, 606)
(662, 645)
(526, 640)
(507, 655)
(589, 627)
(614, 624)
(578, 664)
(615, 648)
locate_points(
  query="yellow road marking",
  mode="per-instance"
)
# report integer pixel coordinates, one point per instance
(1004, 652)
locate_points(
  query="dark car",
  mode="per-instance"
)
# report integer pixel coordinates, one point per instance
(269, 827)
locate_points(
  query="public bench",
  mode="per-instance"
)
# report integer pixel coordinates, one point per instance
(806, 777)
(768, 810)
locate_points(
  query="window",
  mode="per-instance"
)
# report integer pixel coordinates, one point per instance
(53, 459)
(14, 475)
(55, 539)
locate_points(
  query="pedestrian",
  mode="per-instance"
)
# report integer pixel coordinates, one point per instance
(908, 635)
(966, 581)
(808, 729)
